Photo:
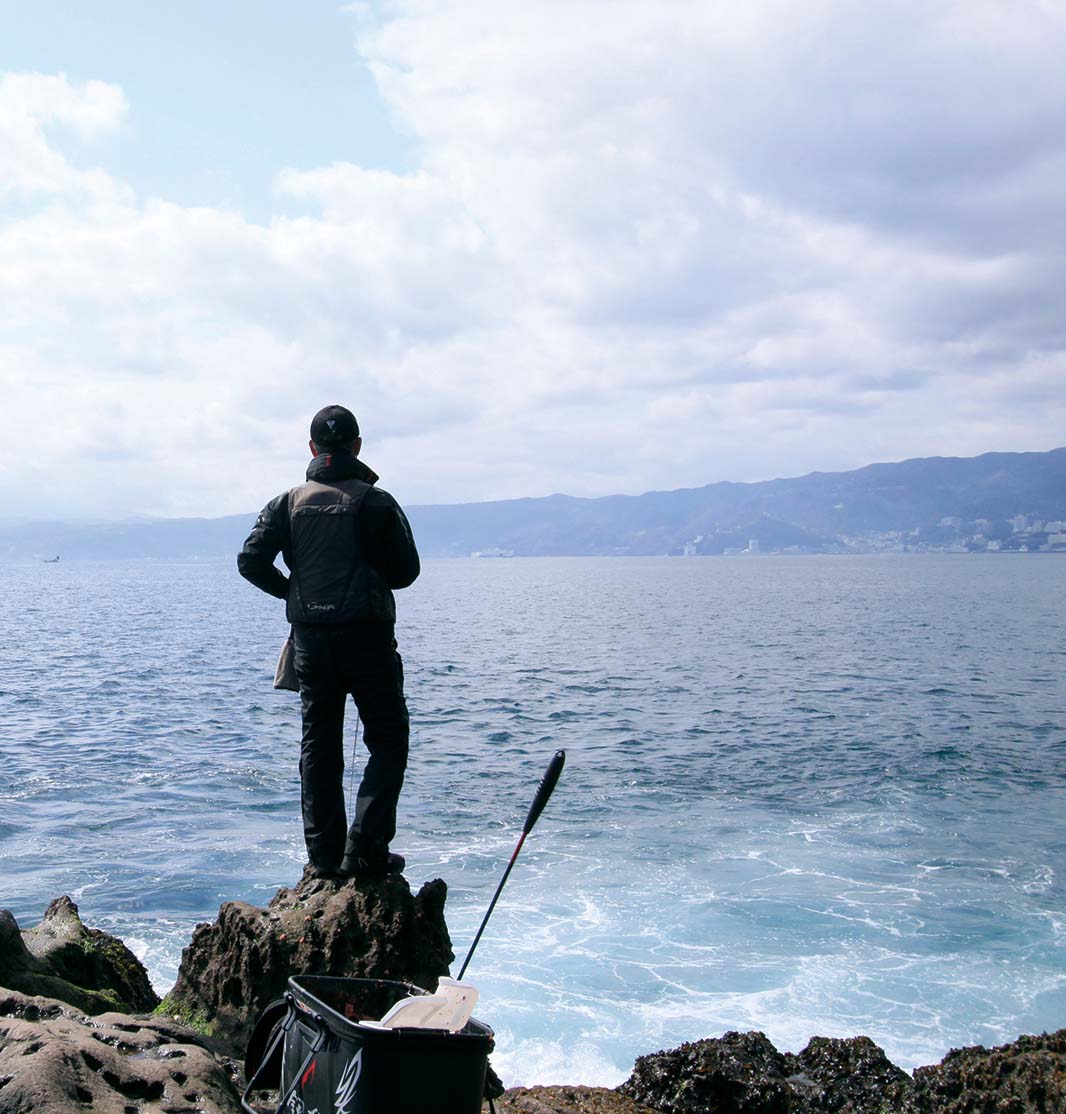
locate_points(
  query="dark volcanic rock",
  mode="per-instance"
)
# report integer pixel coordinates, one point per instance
(851, 1076)
(1027, 1076)
(54, 1060)
(90, 958)
(745, 1074)
(234, 967)
(740, 1073)
(567, 1100)
(63, 959)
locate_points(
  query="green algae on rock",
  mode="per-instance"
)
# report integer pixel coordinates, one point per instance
(90, 958)
(63, 959)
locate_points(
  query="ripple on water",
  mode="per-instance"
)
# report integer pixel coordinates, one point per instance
(791, 802)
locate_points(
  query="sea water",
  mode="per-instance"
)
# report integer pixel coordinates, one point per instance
(807, 795)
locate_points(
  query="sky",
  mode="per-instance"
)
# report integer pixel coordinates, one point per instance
(589, 247)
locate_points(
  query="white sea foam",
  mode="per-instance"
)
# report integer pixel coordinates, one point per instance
(528, 1062)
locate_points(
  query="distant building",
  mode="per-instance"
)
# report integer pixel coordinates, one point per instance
(753, 545)
(1056, 539)
(1019, 523)
(951, 520)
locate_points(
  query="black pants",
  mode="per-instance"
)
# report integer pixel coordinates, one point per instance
(334, 660)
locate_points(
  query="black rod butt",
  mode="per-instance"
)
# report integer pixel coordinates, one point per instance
(545, 789)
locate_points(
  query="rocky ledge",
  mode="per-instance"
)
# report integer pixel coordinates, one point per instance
(63, 959)
(373, 930)
(743, 1073)
(54, 1060)
(63, 1046)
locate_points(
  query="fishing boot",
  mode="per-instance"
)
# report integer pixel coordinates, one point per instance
(372, 868)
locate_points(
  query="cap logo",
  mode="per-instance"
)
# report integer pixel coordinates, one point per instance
(332, 425)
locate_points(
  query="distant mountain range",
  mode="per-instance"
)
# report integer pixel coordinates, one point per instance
(997, 500)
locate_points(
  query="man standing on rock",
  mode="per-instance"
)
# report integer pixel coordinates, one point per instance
(347, 544)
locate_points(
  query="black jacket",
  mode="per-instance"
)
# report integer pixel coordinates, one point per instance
(346, 544)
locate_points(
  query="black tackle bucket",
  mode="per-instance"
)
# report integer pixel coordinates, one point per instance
(331, 1063)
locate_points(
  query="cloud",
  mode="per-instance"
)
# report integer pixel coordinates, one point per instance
(33, 104)
(645, 246)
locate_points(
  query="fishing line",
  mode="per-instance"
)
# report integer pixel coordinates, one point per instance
(351, 767)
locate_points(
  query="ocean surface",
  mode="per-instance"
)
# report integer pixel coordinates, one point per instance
(810, 795)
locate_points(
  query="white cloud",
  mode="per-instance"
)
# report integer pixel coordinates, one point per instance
(646, 246)
(33, 104)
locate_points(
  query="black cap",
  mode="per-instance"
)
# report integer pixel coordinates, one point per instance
(334, 426)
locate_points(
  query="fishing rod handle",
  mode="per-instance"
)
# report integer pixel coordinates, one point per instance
(545, 789)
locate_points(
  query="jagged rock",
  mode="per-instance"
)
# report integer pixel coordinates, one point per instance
(851, 1076)
(54, 1059)
(234, 967)
(90, 958)
(740, 1073)
(1027, 1076)
(567, 1100)
(62, 958)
